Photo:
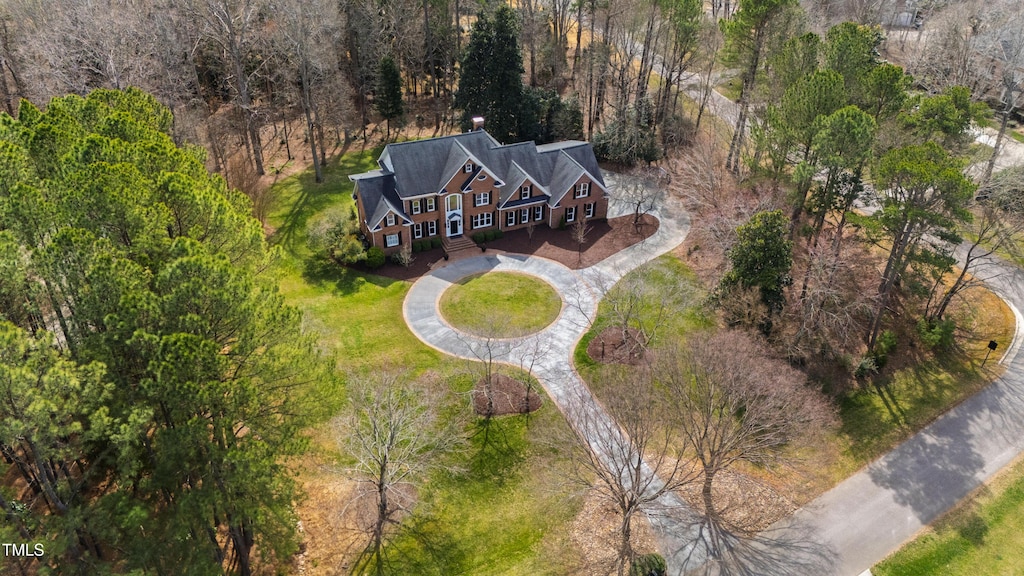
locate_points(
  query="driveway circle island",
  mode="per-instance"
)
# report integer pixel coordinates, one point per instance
(500, 304)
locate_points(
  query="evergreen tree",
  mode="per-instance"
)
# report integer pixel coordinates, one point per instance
(388, 99)
(150, 273)
(762, 258)
(491, 80)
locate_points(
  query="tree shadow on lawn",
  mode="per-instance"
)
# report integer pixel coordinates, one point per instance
(312, 198)
(497, 452)
(345, 280)
(432, 547)
(924, 388)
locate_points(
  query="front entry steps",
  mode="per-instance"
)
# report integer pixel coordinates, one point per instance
(456, 244)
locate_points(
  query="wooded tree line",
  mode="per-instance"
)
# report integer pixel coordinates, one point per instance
(152, 380)
(843, 129)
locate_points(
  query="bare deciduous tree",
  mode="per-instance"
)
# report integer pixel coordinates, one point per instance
(639, 306)
(625, 452)
(732, 403)
(396, 436)
(579, 232)
(642, 195)
(832, 309)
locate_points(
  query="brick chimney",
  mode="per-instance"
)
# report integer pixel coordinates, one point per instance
(478, 123)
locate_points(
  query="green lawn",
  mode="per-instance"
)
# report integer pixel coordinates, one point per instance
(685, 314)
(984, 535)
(500, 304)
(505, 512)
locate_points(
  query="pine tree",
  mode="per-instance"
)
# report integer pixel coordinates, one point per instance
(388, 99)
(180, 380)
(491, 82)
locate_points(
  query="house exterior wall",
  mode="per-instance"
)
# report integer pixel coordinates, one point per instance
(379, 238)
(596, 197)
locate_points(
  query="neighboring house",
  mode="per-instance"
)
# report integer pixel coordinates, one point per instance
(467, 183)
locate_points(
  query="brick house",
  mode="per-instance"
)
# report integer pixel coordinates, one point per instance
(458, 185)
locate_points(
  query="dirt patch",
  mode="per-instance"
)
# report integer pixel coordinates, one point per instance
(610, 347)
(744, 503)
(595, 536)
(329, 540)
(604, 239)
(509, 396)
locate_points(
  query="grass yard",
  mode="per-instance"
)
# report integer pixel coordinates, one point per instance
(510, 304)
(505, 512)
(683, 316)
(984, 535)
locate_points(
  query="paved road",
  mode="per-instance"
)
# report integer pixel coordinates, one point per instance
(871, 514)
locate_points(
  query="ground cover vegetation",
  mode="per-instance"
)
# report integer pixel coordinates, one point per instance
(516, 303)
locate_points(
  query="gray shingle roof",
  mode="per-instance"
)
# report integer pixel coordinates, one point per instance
(419, 167)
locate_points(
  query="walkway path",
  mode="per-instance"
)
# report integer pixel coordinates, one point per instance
(549, 353)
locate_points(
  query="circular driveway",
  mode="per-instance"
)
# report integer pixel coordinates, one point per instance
(420, 308)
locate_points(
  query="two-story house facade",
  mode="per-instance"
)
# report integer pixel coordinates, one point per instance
(458, 185)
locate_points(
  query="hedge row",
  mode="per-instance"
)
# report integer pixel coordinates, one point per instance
(424, 245)
(481, 237)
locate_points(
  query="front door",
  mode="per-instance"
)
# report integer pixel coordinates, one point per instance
(453, 214)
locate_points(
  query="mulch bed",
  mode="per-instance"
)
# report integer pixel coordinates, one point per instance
(609, 347)
(604, 239)
(507, 397)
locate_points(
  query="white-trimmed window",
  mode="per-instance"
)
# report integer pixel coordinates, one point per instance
(417, 230)
(582, 190)
(415, 206)
(468, 167)
(570, 214)
(432, 228)
(510, 218)
(538, 213)
(524, 192)
(389, 220)
(482, 199)
(431, 204)
(391, 240)
(524, 215)
(481, 176)
(482, 220)
(588, 210)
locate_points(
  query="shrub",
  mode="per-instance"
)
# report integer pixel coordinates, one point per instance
(404, 256)
(648, 565)
(936, 334)
(490, 235)
(374, 258)
(866, 366)
(498, 234)
(435, 242)
(479, 237)
(883, 347)
(417, 246)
